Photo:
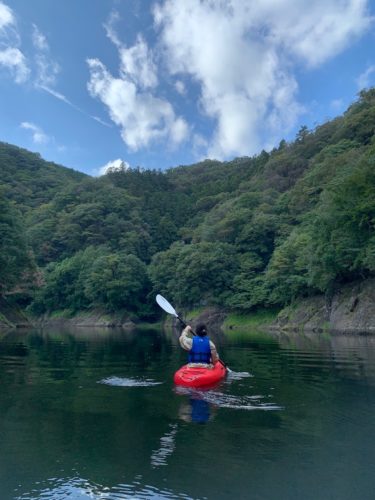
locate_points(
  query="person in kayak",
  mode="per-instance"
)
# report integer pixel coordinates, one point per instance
(202, 351)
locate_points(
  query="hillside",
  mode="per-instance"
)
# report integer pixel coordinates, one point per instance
(246, 234)
(30, 180)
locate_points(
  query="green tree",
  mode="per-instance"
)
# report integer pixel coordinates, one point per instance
(342, 227)
(197, 274)
(117, 281)
(16, 263)
(248, 284)
(286, 277)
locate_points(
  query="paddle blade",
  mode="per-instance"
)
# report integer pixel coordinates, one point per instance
(165, 305)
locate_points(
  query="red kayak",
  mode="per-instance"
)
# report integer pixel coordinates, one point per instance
(191, 376)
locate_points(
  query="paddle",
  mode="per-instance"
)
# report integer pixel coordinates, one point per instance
(168, 308)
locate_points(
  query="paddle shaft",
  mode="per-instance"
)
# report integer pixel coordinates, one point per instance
(168, 308)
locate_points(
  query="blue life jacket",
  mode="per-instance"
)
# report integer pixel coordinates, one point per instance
(201, 350)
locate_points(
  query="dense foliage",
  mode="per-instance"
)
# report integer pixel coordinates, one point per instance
(253, 232)
(16, 262)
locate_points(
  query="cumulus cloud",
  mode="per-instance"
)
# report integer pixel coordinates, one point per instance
(242, 54)
(132, 105)
(113, 166)
(141, 116)
(315, 31)
(39, 137)
(11, 57)
(6, 17)
(364, 79)
(136, 62)
(15, 62)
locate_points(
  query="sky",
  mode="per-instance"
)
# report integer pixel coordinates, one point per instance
(156, 84)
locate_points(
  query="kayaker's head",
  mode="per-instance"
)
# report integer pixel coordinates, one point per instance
(201, 329)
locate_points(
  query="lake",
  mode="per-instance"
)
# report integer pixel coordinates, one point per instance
(94, 414)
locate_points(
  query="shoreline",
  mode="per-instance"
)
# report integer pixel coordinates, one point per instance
(350, 310)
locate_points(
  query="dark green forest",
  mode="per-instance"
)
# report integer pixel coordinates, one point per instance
(246, 234)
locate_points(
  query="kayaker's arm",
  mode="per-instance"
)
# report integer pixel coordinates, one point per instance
(214, 354)
(186, 341)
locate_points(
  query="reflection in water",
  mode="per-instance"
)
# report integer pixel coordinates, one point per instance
(195, 410)
(64, 435)
(200, 410)
(201, 400)
(167, 446)
(223, 400)
(80, 489)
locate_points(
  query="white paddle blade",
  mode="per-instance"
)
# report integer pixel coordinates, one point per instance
(164, 304)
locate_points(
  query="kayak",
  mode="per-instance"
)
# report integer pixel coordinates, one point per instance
(191, 376)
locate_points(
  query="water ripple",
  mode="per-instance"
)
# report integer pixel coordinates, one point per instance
(224, 400)
(167, 446)
(238, 375)
(239, 402)
(80, 489)
(128, 382)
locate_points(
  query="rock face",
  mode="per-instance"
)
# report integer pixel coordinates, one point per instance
(212, 317)
(11, 316)
(351, 310)
(92, 319)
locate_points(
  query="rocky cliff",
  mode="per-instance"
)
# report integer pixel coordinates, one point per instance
(351, 309)
(11, 316)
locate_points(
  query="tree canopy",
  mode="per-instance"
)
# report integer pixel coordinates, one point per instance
(248, 233)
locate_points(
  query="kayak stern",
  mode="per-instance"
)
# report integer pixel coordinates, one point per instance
(191, 376)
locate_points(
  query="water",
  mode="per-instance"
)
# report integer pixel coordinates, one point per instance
(93, 414)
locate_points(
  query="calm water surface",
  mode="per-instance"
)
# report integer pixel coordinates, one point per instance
(93, 414)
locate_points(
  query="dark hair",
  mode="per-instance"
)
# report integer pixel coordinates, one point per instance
(201, 329)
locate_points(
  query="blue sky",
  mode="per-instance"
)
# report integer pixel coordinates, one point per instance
(88, 83)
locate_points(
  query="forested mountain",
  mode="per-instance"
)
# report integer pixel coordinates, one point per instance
(30, 180)
(245, 234)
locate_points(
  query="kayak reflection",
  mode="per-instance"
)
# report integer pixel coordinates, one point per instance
(197, 409)
(200, 410)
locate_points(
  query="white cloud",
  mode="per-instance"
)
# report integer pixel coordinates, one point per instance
(136, 62)
(364, 79)
(11, 56)
(110, 28)
(13, 59)
(47, 68)
(39, 40)
(242, 54)
(142, 117)
(114, 165)
(6, 16)
(180, 87)
(39, 137)
(315, 31)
